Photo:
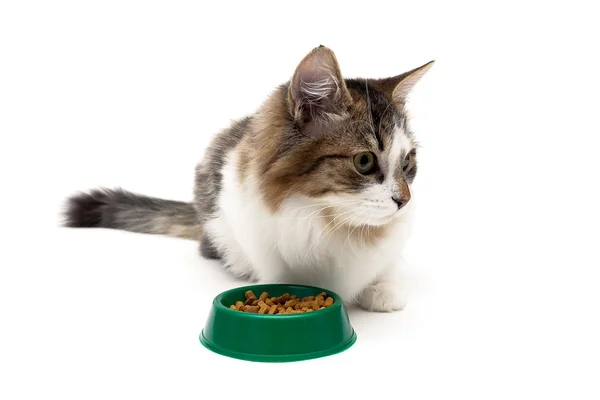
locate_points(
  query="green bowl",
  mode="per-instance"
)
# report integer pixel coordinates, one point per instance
(277, 338)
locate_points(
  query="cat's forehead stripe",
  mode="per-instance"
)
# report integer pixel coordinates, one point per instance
(380, 111)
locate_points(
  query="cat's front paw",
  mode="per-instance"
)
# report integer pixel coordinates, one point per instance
(382, 296)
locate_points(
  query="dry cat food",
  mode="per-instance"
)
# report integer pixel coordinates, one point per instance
(286, 304)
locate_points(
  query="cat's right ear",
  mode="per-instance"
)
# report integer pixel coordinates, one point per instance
(398, 87)
(317, 88)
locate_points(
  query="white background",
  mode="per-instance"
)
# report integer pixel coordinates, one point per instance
(504, 267)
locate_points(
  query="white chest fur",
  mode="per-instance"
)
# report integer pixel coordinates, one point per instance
(295, 245)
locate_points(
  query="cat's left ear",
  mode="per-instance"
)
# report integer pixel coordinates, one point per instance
(398, 87)
(317, 87)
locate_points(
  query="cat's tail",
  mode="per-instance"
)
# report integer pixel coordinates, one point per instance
(120, 209)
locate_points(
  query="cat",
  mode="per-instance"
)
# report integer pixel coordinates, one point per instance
(313, 188)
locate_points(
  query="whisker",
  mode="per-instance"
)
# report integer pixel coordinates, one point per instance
(341, 202)
(325, 227)
(299, 219)
(331, 232)
(311, 216)
(362, 231)
(294, 217)
(352, 231)
(368, 225)
(312, 213)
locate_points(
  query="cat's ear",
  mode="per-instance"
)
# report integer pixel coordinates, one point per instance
(317, 87)
(398, 87)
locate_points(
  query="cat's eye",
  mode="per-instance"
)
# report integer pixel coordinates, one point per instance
(407, 162)
(364, 162)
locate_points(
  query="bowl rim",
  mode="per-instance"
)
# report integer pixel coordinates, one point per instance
(338, 302)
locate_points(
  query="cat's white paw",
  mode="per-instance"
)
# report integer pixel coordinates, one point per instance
(383, 296)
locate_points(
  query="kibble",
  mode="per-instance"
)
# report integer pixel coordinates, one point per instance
(285, 304)
(264, 308)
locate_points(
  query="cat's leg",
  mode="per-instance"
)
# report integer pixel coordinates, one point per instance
(253, 258)
(208, 250)
(268, 265)
(232, 260)
(234, 263)
(219, 243)
(385, 294)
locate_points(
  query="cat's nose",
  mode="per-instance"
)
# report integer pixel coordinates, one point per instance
(400, 201)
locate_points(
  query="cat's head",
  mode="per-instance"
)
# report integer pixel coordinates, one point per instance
(341, 145)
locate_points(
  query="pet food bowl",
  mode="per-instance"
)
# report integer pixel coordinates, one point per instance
(279, 337)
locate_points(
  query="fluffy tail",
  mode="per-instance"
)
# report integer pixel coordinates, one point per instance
(119, 209)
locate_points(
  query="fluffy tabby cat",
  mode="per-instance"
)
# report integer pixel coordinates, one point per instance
(313, 188)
